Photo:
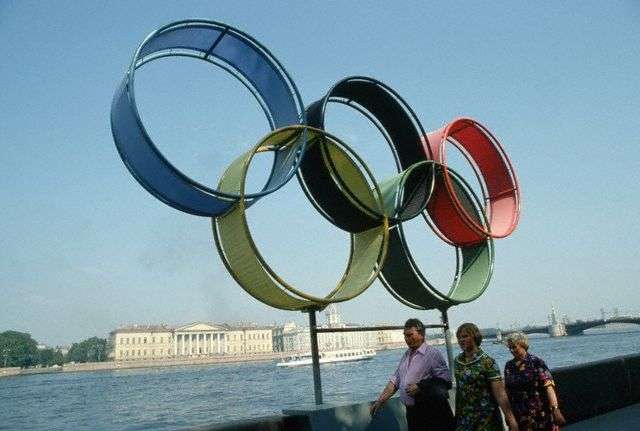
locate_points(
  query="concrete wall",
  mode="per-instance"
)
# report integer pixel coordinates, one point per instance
(271, 423)
(595, 388)
(122, 365)
(9, 371)
(353, 417)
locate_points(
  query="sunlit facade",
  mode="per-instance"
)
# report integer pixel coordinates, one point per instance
(197, 340)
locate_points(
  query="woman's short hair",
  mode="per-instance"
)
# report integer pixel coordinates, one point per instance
(415, 323)
(472, 330)
(518, 338)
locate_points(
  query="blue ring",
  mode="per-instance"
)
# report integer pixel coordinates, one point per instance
(248, 61)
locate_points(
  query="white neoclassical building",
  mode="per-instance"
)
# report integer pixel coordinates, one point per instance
(196, 340)
(200, 339)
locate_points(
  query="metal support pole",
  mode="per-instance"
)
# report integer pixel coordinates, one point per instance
(452, 365)
(370, 328)
(315, 357)
(447, 339)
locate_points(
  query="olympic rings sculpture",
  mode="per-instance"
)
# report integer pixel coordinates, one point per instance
(333, 177)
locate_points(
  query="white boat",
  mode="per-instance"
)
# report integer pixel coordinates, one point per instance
(346, 355)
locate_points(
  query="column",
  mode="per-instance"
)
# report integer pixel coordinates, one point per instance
(197, 343)
(190, 344)
(218, 343)
(175, 345)
(211, 343)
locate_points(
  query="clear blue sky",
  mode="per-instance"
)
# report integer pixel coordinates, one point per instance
(86, 249)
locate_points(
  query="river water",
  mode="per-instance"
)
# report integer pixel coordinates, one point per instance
(181, 397)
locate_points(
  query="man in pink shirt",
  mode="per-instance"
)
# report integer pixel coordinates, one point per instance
(422, 378)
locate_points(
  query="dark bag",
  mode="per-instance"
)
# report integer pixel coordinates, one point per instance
(433, 388)
(433, 401)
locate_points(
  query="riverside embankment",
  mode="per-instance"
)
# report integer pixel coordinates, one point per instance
(118, 365)
(156, 363)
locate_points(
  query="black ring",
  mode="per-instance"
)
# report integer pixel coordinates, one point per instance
(404, 134)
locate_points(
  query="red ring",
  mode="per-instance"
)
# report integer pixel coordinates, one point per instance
(497, 177)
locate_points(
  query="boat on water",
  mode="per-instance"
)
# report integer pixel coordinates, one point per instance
(345, 355)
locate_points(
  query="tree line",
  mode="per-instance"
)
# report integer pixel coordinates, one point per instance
(18, 349)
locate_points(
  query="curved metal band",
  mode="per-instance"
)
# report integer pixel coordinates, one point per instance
(334, 178)
(495, 173)
(403, 132)
(474, 263)
(247, 60)
(241, 256)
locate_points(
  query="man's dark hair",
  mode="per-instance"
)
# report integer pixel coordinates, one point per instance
(415, 323)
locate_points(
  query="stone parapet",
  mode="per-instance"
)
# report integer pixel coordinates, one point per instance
(595, 388)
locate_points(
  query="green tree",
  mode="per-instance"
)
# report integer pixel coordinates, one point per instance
(93, 349)
(17, 349)
(49, 357)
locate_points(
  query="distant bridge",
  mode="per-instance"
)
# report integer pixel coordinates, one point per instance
(576, 328)
(528, 330)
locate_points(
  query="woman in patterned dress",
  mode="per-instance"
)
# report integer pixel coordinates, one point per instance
(530, 388)
(479, 389)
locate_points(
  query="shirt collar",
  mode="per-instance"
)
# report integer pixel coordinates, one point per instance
(422, 349)
(463, 360)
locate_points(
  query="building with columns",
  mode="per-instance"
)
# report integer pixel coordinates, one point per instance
(199, 339)
(202, 340)
(196, 340)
